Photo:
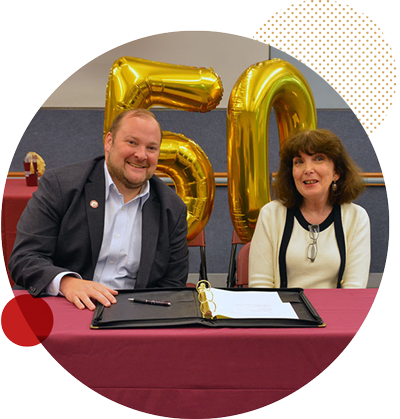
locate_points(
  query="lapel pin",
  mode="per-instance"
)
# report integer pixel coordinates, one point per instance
(94, 204)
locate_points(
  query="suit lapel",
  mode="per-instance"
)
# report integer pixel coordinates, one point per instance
(95, 209)
(150, 230)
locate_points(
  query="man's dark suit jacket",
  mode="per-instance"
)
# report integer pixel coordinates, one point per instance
(60, 231)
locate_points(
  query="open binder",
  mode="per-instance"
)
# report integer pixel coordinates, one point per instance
(199, 307)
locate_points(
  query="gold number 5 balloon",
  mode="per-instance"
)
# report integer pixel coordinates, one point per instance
(270, 84)
(138, 83)
(183, 160)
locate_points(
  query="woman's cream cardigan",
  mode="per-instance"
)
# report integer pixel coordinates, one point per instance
(264, 268)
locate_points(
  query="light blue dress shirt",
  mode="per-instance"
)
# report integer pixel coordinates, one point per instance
(119, 258)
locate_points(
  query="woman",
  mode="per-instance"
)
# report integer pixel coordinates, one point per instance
(312, 236)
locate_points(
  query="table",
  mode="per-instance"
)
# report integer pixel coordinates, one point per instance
(16, 196)
(204, 372)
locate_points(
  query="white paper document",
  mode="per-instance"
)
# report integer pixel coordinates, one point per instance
(249, 305)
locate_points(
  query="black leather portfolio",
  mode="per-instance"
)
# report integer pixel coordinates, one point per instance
(207, 306)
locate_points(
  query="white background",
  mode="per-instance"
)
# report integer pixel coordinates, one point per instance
(43, 43)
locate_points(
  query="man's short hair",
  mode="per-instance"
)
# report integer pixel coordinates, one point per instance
(133, 113)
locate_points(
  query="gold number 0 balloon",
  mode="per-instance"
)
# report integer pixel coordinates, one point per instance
(270, 84)
(138, 83)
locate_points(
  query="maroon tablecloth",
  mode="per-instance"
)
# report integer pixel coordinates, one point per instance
(16, 195)
(202, 372)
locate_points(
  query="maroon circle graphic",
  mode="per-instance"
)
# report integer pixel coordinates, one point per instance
(27, 321)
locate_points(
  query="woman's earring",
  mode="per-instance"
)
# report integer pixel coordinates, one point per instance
(334, 186)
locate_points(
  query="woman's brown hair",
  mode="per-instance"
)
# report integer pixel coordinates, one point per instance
(350, 183)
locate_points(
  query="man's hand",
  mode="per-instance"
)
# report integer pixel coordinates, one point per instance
(80, 292)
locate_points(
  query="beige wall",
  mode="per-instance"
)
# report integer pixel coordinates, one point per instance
(228, 55)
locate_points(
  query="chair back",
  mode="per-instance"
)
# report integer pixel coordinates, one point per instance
(243, 266)
(200, 241)
(231, 278)
(235, 238)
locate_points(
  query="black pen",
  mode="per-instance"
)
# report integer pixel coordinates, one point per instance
(154, 302)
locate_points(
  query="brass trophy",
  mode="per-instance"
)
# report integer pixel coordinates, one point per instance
(34, 167)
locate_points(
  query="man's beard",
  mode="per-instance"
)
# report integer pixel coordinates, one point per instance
(117, 173)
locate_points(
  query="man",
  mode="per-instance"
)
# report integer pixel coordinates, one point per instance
(106, 224)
